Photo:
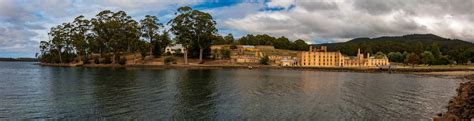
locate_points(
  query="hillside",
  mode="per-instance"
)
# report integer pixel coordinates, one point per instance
(411, 43)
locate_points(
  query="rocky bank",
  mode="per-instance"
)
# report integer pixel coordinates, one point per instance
(461, 107)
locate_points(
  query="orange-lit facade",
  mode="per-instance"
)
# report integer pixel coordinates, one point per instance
(320, 57)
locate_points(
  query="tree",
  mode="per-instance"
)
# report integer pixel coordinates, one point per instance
(143, 48)
(413, 59)
(418, 47)
(405, 55)
(380, 55)
(443, 60)
(204, 28)
(395, 57)
(180, 27)
(469, 54)
(80, 28)
(218, 40)
(165, 40)
(301, 45)
(193, 27)
(44, 47)
(427, 58)
(102, 30)
(282, 43)
(58, 39)
(435, 50)
(462, 55)
(265, 60)
(149, 27)
(229, 39)
(115, 32)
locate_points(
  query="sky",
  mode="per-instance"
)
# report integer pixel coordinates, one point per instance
(24, 23)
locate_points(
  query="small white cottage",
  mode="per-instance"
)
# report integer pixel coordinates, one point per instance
(174, 49)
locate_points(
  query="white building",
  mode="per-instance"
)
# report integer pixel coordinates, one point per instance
(176, 48)
(288, 61)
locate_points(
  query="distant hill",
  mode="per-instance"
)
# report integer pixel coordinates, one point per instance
(19, 59)
(411, 43)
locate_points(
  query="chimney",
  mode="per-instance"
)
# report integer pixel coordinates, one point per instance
(310, 48)
(368, 55)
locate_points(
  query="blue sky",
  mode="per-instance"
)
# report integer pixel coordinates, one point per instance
(23, 23)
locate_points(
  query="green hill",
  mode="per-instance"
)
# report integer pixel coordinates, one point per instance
(411, 43)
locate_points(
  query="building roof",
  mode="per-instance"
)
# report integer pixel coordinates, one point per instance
(248, 46)
(175, 46)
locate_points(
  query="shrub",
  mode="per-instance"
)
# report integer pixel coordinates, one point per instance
(96, 61)
(225, 53)
(264, 60)
(167, 54)
(178, 53)
(157, 50)
(86, 61)
(122, 61)
(233, 47)
(169, 60)
(107, 60)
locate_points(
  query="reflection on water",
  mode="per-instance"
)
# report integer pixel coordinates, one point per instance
(33, 92)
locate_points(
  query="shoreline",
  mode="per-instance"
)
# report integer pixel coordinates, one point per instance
(418, 71)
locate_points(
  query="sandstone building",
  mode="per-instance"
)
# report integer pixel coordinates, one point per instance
(320, 57)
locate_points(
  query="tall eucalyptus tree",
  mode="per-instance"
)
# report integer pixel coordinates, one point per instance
(149, 27)
(193, 27)
(80, 30)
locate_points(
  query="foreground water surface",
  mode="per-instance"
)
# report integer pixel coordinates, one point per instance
(33, 92)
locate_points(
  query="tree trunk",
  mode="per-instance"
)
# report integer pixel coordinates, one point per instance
(151, 43)
(185, 57)
(101, 54)
(151, 51)
(84, 56)
(60, 59)
(200, 55)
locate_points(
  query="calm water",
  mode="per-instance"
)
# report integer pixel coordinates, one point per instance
(33, 92)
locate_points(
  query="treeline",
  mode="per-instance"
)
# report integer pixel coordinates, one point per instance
(19, 59)
(278, 43)
(421, 48)
(432, 56)
(109, 36)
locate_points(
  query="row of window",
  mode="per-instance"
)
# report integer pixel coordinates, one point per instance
(322, 64)
(324, 57)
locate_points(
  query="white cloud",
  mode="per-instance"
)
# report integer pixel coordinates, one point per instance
(280, 3)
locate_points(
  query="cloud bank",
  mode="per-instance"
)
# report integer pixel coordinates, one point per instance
(341, 20)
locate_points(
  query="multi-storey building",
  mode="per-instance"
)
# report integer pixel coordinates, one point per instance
(320, 57)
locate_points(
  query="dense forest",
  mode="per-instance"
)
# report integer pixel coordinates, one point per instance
(423, 48)
(278, 43)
